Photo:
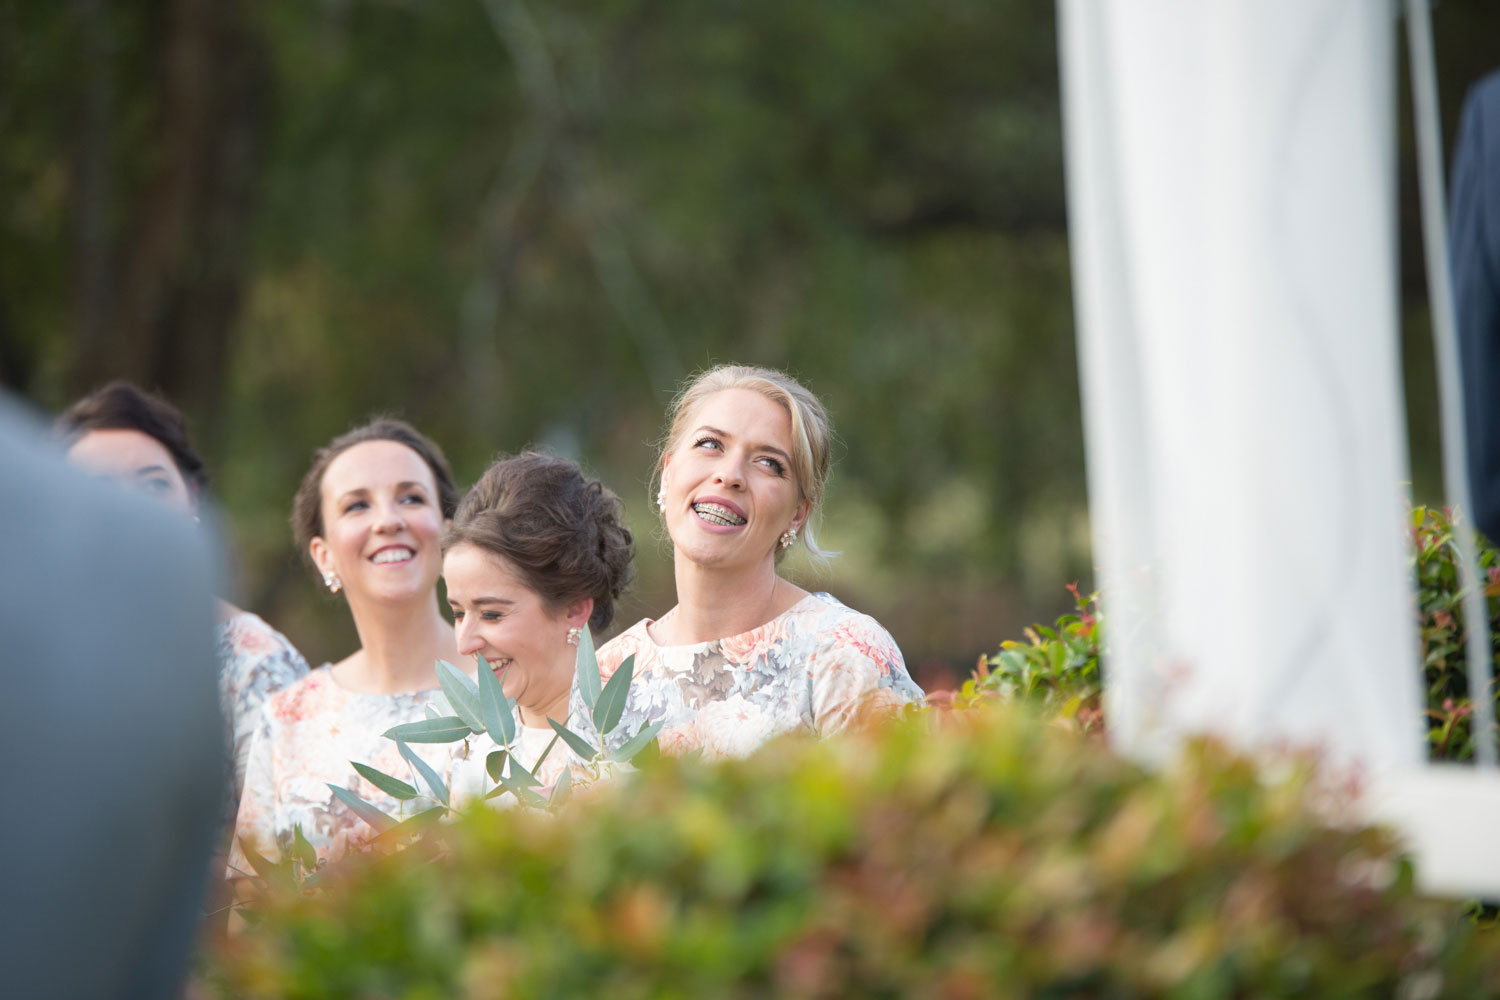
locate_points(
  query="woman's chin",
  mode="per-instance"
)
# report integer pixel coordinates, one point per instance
(718, 554)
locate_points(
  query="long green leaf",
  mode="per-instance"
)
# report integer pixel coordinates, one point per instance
(588, 669)
(561, 788)
(394, 787)
(302, 850)
(496, 710)
(379, 820)
(494, 764)
(462, 694)
(520, 789)
(412, 824)
(579, 745)
(518, 772)
(273, 872)
(636, 743)
(434, 782)
(448, 729)
(611, 704)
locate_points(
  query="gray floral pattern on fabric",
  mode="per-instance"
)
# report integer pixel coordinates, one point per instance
(255, 661)
(817, 667)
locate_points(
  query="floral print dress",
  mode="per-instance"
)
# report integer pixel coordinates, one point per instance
(308, 736)
(255, 661)
(817, 667)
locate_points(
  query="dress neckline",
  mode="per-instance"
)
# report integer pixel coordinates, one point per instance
(646, 623)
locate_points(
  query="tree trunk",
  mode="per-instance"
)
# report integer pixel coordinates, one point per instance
(183, 250)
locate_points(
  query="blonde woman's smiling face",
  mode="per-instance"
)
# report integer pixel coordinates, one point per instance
(729, 483)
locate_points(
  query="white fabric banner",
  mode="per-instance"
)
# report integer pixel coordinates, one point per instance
(1231, 187)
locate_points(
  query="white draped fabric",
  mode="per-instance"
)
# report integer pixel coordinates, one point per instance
(1231, 186)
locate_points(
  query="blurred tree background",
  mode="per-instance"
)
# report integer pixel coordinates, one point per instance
(520, 223)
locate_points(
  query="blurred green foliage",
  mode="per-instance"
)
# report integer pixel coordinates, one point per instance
(1056, 667)
(1443, 633)
(1055, 670)
(518, 223)
(523, 223)
(980, 853)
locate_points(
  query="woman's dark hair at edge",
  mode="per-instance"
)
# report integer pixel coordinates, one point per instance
(307, 505)
(562, 533)
(124, 406)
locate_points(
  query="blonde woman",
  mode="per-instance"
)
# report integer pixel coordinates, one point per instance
(746, 654)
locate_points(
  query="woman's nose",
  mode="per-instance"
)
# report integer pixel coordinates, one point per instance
(731, 472)
(468, 642)
(389, 519)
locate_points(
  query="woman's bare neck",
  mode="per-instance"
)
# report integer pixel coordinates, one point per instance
(399, 647)
(715, 604)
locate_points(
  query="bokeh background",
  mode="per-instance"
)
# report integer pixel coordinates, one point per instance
(520, 223)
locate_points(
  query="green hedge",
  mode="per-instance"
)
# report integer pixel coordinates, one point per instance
(984, 853)
(1056, 668)
(1444, 664)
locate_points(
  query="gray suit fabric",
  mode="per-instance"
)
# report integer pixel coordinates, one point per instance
(110, 734)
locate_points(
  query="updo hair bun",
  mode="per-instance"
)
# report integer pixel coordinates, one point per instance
(563, 533)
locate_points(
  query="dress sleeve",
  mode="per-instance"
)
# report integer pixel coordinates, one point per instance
(857, 673)
(260, 663)
(255, 823)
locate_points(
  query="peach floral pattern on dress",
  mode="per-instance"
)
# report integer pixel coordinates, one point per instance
(308, 735)
(818, 667)
(255, 661)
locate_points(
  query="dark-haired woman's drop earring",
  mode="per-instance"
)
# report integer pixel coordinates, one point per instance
(332, 582)
(574, 634)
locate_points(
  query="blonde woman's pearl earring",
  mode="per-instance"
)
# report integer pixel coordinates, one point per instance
(788, 537)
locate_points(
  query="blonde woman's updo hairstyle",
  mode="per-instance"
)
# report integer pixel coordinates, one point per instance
(812, 433)
(307, 505)
(564, 535)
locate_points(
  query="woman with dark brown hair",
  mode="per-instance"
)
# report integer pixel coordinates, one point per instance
(536, 552)
(370, 516)
(141, 441)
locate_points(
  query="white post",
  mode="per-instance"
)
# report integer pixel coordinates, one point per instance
(1231, 186)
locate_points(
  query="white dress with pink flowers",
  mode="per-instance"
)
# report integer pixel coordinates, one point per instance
(255, 661)
(308, 737)
(816, 668)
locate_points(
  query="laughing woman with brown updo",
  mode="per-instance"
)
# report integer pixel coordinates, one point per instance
(537, 552)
